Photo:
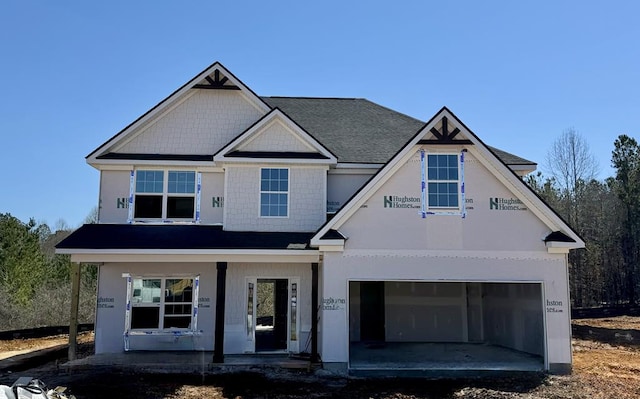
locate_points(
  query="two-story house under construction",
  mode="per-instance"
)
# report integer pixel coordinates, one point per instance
(332, 227)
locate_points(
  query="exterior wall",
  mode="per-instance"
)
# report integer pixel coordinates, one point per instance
(112, 291)
(391, 217)
(202, 124)
(307, 199)
(110, 314)
(389, 241)
(114, 196)
(340, 268)
(212, 198)
(236, 340)
(341, 186)
(276, 137)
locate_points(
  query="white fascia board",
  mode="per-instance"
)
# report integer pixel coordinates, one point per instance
(128, 164)
(285, 161)
(353, 171)
(320, 242)
(347, 165)
(522, 169)
(558, 250)
(331, 248)
(562, 247)
(165, 255)
(283, 164)
(509, 180)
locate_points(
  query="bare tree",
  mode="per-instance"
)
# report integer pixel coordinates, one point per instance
(570, 162)
(572, 168)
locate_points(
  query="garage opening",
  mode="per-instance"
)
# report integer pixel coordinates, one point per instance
(445, 326)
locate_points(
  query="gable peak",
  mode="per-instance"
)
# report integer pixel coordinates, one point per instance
(216, 80)
(445, 131)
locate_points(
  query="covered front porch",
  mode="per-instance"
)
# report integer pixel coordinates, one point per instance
(142, 273)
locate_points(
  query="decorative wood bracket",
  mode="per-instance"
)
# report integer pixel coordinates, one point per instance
(444, 136)
(216, 83)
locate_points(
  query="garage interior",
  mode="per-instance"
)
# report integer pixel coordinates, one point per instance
(445, 326)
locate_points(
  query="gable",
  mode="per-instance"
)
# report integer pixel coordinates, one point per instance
(496, 218)
(446, 134)
(197, 119)
(202, 123)
(275, 137)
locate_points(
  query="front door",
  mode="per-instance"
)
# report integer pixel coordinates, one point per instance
(272, 315)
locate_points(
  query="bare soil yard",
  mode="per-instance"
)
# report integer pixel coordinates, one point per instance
(606, 365)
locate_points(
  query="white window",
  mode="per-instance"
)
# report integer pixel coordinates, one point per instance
(443, 181)
(274, 192)
(159, 303)
(160, 195)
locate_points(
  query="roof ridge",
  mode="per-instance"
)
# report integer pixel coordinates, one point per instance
(318, 98)
(393, 110)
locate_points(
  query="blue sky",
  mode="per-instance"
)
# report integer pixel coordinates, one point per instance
(74, 73)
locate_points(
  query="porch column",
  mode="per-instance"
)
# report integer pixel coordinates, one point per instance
(221, 286)
(314, 313)
(73, 320)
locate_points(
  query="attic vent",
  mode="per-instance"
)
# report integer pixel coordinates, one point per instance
(217, 82)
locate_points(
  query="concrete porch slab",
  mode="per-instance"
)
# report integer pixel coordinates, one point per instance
(185, 362)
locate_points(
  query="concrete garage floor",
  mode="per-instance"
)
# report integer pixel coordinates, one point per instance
(438, 359)
(391, 359)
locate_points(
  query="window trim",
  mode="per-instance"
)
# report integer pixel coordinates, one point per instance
(458, 181)
(260, 192)
(165, 195)
(162, 303)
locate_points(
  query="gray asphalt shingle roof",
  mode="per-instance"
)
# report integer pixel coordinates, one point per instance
(357, 130)
(354, 129)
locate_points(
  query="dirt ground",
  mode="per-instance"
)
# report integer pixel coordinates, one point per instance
(606, 365)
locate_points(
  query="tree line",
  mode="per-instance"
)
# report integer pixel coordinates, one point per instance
(35, 283)
(605, 213)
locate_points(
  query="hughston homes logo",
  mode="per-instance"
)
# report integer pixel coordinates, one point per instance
(506, 204)
(397, 201)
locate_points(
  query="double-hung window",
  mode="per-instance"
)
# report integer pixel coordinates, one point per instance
(443, 181)
(274, 192)
(163, 194)
(162, 303)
